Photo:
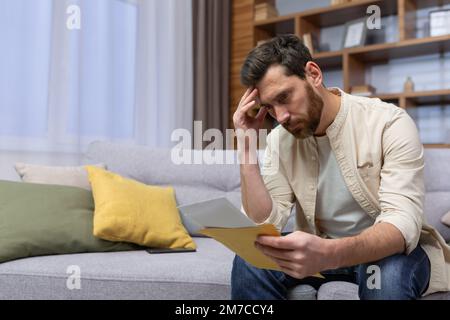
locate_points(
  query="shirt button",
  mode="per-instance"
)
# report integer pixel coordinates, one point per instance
(311, 187)
(308, 218)
(313, 158)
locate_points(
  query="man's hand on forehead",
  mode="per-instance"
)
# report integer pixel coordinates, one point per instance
(249, 114)
(253, 112)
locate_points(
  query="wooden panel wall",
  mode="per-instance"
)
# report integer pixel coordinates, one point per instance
(241, 45)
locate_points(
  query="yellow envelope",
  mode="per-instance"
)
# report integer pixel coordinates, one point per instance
(242, 242)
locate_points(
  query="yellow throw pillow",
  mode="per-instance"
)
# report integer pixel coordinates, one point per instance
(130, 211)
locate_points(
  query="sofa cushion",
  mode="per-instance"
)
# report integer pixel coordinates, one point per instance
(302, 292)
(437, 170)
(446, 219)
(204, 274)
(437, 185)
(130, 211)
(435, 206)
(40, 219)
(340, 290)
(66, 176)
(438, 296)
(155, 167)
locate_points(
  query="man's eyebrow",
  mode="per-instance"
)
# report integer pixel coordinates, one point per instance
(279, 95)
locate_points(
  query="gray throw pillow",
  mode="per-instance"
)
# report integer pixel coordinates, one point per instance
(65, 176)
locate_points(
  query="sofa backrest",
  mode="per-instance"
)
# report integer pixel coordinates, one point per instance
(192, 183)
(437, 185)
(198, 182)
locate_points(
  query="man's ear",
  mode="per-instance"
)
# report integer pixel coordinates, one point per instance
(313, 74)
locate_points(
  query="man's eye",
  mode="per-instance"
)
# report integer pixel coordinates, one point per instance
(283, 99)
(270, 110)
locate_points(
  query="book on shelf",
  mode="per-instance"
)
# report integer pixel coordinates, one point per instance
(311, 42)
(439, 22)
(260, 42)
(265, 11)
(365, 90)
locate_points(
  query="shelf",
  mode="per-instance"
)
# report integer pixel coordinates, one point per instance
(386, 51)
(401, 49)
(335, 15)
(387, 96)
(330, 59)
(342, 13)
(421, 4)
(274, 26)
(436, 145)
(419, 98)
(279, 27)
(429, 97)
(274, 20)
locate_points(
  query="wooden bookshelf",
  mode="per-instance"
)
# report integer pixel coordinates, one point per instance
(437, 146)
(353, 62)
(417, 98)
(385, 51)
(330, 59)
(268, 23)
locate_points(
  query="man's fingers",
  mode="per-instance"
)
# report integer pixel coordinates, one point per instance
(285, 264)
(252, 96)
(291, 272)
(261, 113)
(288, 268)
(275, 242)
(248, 106)
(282, 254)
(247, 92)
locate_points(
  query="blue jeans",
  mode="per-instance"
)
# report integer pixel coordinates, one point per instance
(401, 277)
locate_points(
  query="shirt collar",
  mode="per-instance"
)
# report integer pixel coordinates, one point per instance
(335, 127)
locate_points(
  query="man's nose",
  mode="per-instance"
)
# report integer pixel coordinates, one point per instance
(282, 115)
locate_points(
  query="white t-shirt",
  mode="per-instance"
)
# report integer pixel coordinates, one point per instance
(337, 213)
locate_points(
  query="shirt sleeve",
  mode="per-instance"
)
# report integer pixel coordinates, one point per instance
(277, 184)
(402, 189)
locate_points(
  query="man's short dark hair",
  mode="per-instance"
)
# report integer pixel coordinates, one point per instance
(285, 50)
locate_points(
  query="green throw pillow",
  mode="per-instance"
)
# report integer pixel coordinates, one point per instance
(37, 219)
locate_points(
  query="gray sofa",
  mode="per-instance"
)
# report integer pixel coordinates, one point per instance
(204, 274)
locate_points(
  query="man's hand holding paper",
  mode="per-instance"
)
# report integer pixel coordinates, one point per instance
(298, 254)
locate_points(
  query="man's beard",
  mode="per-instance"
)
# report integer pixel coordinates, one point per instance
(314, 112)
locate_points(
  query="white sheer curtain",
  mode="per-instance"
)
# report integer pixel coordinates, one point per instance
(164, 80)
(124, 76)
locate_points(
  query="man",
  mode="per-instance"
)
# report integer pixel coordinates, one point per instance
(353, 168)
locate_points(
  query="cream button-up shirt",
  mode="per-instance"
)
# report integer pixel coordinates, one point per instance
(380, 156)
